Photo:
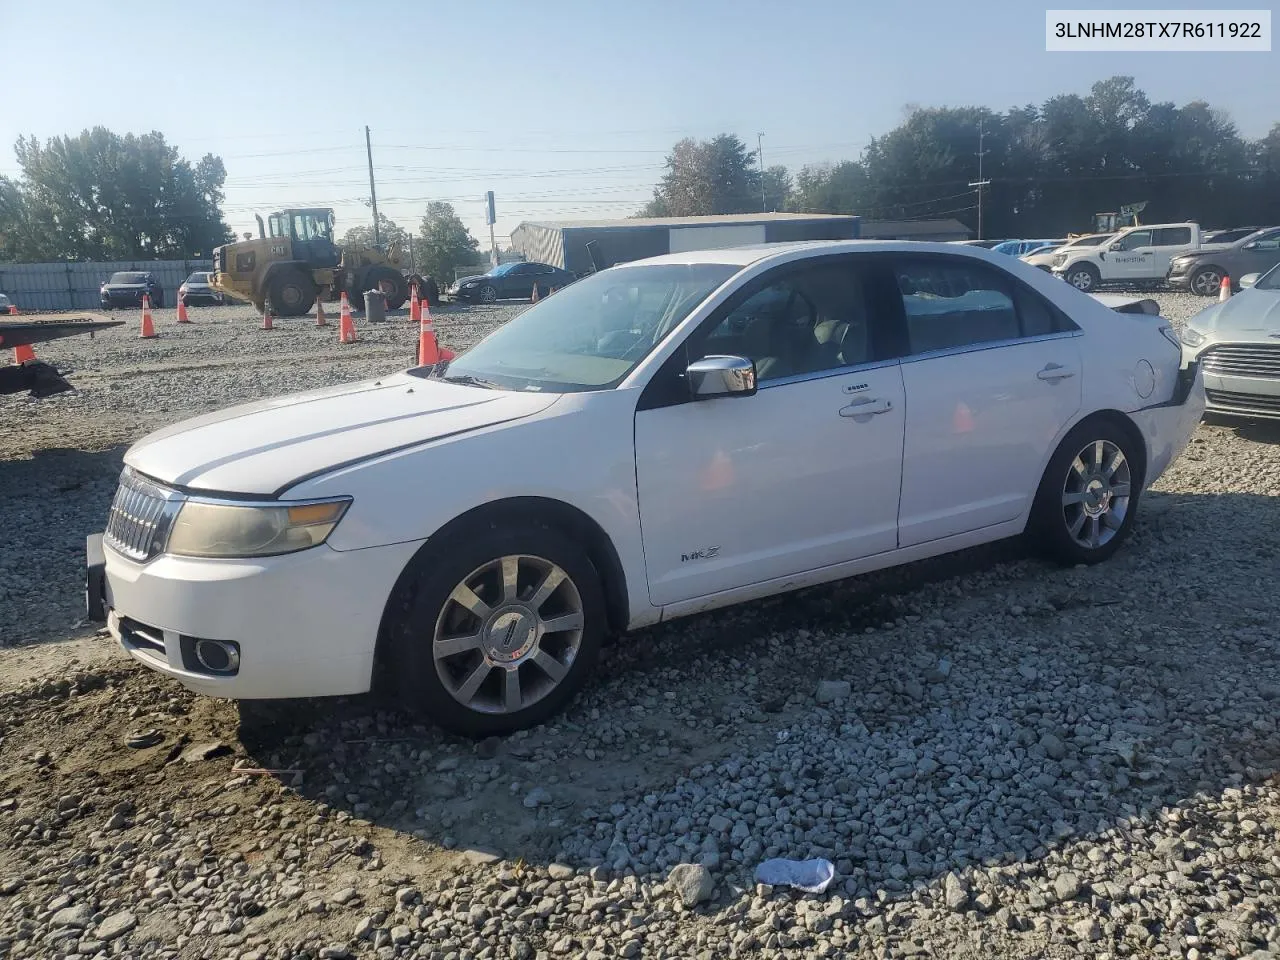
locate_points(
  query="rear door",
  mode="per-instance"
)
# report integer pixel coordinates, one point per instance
(518, 283)
(1168, 243)
(992, 374)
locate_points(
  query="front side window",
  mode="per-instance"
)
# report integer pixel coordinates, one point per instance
(593, 333)
(1268, 241)
(1131, 241)
(808, 320)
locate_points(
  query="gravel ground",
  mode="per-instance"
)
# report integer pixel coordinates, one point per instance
(1000, 757)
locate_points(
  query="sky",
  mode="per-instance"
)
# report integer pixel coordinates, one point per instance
(565, 109)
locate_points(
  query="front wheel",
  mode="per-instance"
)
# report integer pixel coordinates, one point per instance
(1088, 497)
(496, 630)
(488, 293)
(1207, 282)
(391, 283)
(292, 293)
(1084, 277)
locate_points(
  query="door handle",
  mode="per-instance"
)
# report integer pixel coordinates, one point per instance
(1055, 371)
(868, 407)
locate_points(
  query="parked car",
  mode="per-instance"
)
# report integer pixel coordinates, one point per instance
(985, 244)
(1202, 271)
(1043, 258)
(511, 281)
(1018, 248)
(5, 304)
(125, 289)
(1136, 255)
(198, 288)
(1228, 236)
(1237, 342)
(660, 438)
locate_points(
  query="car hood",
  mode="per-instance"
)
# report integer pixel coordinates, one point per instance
(125, 286)
(263, 448)
(461, 280)
(1249, 315)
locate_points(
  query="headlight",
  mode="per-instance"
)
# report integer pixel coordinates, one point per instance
(1192, 337)
(252, 530)
(471, 283)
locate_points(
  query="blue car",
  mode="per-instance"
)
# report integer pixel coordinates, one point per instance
(1020, 248)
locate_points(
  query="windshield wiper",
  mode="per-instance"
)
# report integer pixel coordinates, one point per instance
(468, 380)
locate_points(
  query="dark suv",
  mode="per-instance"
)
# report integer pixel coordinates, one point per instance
(125, 289)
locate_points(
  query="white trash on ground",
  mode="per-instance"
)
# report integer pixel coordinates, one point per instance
(811, 876)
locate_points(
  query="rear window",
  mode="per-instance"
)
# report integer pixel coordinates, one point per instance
(128, 278)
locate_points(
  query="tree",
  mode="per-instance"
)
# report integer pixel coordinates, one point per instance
(445, 243)
(707, 177)
(101, 196)
(389, 231)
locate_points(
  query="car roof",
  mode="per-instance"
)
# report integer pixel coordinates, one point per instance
(754, 253)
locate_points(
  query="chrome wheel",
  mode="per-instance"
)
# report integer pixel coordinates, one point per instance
(1095, 496)
(1081, 280)
(508, 634)
(1206, 283)
(488, 294)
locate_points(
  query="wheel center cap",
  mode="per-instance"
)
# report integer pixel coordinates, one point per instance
(510, 635)
(1097, 497)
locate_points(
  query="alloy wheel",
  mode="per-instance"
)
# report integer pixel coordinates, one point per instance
(1095, 495)
(1206, 282)
(508, 634)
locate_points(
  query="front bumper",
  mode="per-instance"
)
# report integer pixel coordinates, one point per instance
(305, 624)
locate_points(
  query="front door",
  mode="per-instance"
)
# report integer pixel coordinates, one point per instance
(1260, 255)
(992, 375)
(802, 475)
(1132, 257)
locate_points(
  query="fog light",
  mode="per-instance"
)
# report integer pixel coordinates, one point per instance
(217, 657)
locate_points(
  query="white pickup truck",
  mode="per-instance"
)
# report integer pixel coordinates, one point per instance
(1137, 255)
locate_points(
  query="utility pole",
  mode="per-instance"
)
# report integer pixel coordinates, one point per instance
(764, 204)
(373, 194)
(980, 183)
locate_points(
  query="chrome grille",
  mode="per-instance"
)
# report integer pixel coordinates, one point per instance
(1244, 403)
(1243, 360)
(140, 516)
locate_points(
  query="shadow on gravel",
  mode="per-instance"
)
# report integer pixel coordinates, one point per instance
(1257, 431)
(999, 708)
(51, 502)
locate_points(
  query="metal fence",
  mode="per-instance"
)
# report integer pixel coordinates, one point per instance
(74, 286)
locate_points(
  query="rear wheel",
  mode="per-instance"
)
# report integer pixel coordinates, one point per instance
(291, 293)
(1088, 496)
(1206, 282)
(497, 629)
(392, 283)
(1083, 277)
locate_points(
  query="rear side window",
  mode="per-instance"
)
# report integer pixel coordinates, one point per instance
(1172, 236)
(950, 304)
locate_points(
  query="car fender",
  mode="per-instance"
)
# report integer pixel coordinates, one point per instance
(580, 451)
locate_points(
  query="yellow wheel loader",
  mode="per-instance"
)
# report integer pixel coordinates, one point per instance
(295, 260)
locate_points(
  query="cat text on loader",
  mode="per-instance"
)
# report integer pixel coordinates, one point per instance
(295, 260)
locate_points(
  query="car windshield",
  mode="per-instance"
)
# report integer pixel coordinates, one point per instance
(128, 278)
(502, 269)
(1269, 280)
(592, 333)
(198, 278)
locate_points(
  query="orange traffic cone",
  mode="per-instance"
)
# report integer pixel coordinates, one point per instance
(268, 318)
(13, 309)
(321, 320)
(148, 326)
(446, 354)
(428, 346)
(415, 305)
(23, 353)
(1224, 290)
(535, 293)
(182, 311)
(346, 329)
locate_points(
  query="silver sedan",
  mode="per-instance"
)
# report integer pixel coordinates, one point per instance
(1237, 342)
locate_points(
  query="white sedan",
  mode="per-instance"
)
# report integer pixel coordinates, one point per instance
(658, 439)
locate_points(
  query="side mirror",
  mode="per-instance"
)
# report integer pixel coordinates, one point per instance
(1249, 279)
(1250, 246)
(720, 376)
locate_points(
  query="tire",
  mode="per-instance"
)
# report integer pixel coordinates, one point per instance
(158, 302)
(391, 282)
(1084, 277)
(1206, 282)
(425, 612)
(291, 293)
(1084, 517)
(487, 294)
